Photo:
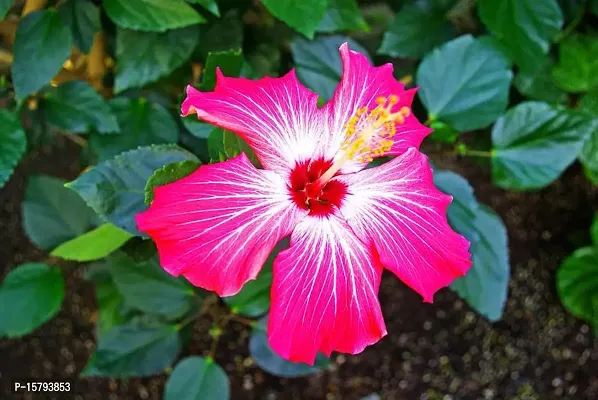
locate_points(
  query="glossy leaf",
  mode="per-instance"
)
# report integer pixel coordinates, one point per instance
(197, 128)
(93, 245)
(30, 295)
(525, 27)
(42, 44)
(223, 145)
(168, 174)
(589, 152)
(472, 90)
(152, 15)
(303, 16)
(147, 287)
(535, 142)
(230, 63)
(13, 144)
(254, 298)
(269, 361)
(53, 214)
(197, 378)
(318, 62)
(115, 188)
(577, 284)
(141, 122)
(144, 57)
(342, 15)
(209, 5)
(417, 29)
(76, 107)
(5, 5)
(577, 69)
(222, 34)
(83, 18)
(540, 86)
(136, 349)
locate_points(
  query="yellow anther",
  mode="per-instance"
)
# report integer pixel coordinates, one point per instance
(393, 99)
(381, 100)
(405, 111)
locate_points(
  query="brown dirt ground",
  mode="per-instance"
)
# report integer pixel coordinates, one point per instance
(440, 351)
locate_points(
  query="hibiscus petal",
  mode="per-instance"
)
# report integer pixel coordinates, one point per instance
(397, 207)
(278, 117)
(218, 225)
(325, 292)
(361, 84)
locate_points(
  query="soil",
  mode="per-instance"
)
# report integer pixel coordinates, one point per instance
(433, 351)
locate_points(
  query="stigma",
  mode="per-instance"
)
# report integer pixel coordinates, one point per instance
(368, 134)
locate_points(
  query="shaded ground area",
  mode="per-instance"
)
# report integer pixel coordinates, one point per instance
(439, 351)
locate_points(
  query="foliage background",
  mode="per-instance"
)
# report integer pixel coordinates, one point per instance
(508, 85)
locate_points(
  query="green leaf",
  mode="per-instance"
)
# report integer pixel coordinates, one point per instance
(109, 306)
(534, 143)
(540, 86)
(473, 88)
(254, 299)
(417, 29)
(5, 5)
(443, 133)
(136, 350)
(93, 245)
(209, 5)
(197, 378)
(141, 122)
(221, 35)
(76, 107)
(577, 284)
(83, 18)
(594, 230)
(147, 287)
(223, 145)
(42, 44)
(594, 7)
(52, 214)
(30, 295)
(318, 62)
(144, 57)
(592, 175)
(168, 174)
(115, 188)
(197, 128)
(525, 27)
(589, 152)
(342, 15)
(485, 286)
(577, 69)
(271, 362)
(303, 16)
(152, 15)
(230, 63)
(13, 144)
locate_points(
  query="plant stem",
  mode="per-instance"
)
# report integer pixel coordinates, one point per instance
(573, 24)
(75, 139)
(245, 321)
(96, 68)
(478, 153)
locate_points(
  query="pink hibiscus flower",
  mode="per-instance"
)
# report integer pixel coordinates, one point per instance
(217, 226)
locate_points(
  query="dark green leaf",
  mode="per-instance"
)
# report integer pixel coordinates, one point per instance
(303, 16)
(526, 27)
(271, 362)
(254, 299)
(147, 287)
(486, 284)
(42, 44)
(342, 15)
(540, 86)
(318, 62)
(168, 174)
(152, 15)
(5, 5)
(197, 128)
(197, 378)
(209, 5)
(52, 214)
(141, 122)
(535, 142)
(230, 63)
(83, 18)
(115, 188)
(93, 245)
(30, 295)
(13, 144)
(262, 60)
(223, 145)
(571, 8)
(221, 34)
(144, 57)
(594, 6)
(589, 152)
(577, 284)
(109, 299)
(76, 107)
(136, 349)
(577, 69)
(594, 230)
(473, 88)
(417, 29)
